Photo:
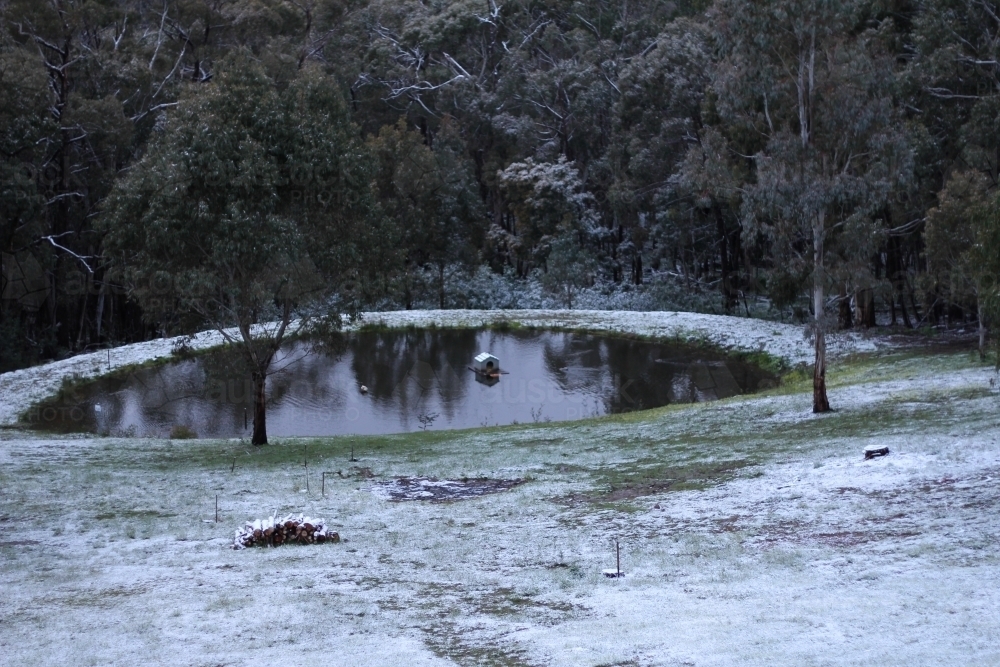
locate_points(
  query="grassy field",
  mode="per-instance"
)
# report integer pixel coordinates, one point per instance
(752, 533)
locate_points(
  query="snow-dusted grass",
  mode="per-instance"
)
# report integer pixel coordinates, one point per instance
(776, 544)
(27, 387)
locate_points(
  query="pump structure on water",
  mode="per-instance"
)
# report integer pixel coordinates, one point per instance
(487, 368)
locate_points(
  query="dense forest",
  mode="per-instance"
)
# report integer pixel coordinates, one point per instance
(812, 160)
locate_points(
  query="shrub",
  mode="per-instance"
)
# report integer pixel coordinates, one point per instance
(182, 432)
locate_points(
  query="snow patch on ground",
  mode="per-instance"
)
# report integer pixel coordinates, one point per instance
(809, 555)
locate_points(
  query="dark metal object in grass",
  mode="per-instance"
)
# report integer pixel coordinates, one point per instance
(617, 572)
(872, 451)
(441, 490)
(305, 464)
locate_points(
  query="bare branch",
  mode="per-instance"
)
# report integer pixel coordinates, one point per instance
(64, 195)
(83, 260)
(905, 228)
(159, 35)
(612, 83)
(421, 87)
(121, 35)
(767, 115)
(136, 118)
(168, 77)
(590, 26)
(652, 45)
(453, 62)
(531, 34)
(945, 94)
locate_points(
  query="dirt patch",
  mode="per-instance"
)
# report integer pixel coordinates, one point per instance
(441, 490)
(647, 479)
(463, 646)
(954, 340)
(507, 602)
(853, 538)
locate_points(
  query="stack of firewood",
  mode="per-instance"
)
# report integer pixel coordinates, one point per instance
(273, 532)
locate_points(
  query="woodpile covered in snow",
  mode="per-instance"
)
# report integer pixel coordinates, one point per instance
(273, 532)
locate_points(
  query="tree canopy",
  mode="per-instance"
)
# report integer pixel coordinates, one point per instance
(253, 208)
(661, 155)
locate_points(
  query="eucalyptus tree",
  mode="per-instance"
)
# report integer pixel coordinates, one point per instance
(669, 178)
(958, 246)
(429, 191)
(952, 87)
(71, 134)
(953, 79)
(548, 201)
(108, 70)
(24, 285)
(251, 210)
(986, 256)
(569, 268)
(522, 79)
(813, 92)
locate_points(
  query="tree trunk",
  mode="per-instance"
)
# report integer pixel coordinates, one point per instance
(99, 313)
(407, 295)
(865, 300)
(441, 285)
(83, 312)
(846, 316)
(259, 415)
(820, 401)
(729, 295)
(913, 303)
(902, 310)
(982, 329)
(897, 274)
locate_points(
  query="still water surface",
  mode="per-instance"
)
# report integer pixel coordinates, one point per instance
(415, 380)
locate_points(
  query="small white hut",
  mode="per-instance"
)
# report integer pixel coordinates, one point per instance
(486, 364)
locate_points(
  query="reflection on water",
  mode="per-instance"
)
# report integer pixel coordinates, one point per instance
(415, 379)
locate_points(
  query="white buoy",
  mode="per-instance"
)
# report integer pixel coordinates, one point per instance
(364, 389)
